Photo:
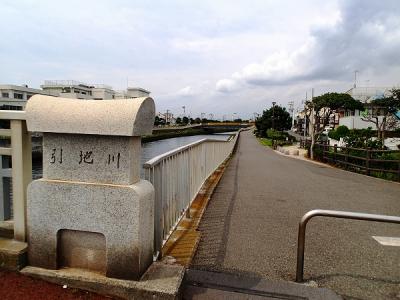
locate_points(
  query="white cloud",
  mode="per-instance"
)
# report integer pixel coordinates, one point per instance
(349, 40)
(226, 85)
(186, 92)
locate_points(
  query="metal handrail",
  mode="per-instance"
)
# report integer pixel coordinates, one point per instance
(177, 177)
(155, 160)
(333, 214)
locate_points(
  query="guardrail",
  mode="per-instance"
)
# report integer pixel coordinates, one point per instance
(21, 158)
(178, 176)
(332, 214)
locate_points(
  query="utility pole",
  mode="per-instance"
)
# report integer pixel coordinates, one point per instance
(312, 131)
(305, 117)
(273, 115)
(211, 116)
(355, 78)
(184, 112)
(291, 110)
(255, 116)
(167, 117)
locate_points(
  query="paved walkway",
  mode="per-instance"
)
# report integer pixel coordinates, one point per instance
(250, 226)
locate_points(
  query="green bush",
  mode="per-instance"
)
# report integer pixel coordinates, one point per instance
(340, 132)
(362, 138)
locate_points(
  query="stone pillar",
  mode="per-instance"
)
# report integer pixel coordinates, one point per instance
(91, 210)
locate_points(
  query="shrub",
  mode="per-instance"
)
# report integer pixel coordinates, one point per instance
(340, 132)
(362, 138)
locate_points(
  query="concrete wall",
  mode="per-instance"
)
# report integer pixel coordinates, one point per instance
(355, 122)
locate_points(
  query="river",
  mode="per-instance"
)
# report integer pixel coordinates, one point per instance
(151, 149)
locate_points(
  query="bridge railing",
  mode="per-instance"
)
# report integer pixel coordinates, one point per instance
(178, 176)
(20, 151)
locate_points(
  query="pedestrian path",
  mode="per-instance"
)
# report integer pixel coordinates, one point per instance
(250, 226)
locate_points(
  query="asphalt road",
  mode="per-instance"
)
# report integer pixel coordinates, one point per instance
(250, 226)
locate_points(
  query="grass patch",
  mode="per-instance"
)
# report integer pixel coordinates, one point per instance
(265, 142)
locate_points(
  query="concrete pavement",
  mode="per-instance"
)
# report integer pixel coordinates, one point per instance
(250, 226)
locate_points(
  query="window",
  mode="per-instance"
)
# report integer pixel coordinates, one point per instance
(18, 96)
(5, 95)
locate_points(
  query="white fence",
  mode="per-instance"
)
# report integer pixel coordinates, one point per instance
(21, 154)
(177, 177)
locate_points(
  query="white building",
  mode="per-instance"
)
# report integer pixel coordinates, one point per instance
(131, 93)
(14, 97)
(353, 119)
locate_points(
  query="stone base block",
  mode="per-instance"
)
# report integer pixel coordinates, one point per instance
(7, 229)
(13, 254)
(161, 281)
(101, 227)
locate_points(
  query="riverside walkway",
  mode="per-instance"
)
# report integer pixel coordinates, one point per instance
(250, 226)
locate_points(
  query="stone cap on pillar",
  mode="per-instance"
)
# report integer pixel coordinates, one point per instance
(127, 117)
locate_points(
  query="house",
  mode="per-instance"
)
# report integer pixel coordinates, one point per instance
(353, 119)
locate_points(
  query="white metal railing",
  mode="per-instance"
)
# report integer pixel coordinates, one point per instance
(21, 158)
(177, 177)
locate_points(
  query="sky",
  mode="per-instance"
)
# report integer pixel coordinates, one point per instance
(220, 57)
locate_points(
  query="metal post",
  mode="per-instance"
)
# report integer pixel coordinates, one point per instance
(333, 214)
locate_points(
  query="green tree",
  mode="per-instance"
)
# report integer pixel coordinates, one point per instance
(158, 121)
(276, 118)
(383, 113)
(340, 132)
(185, 120)
(178, 121)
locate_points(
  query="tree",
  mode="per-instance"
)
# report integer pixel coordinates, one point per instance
(382, 113)
(178, 121)
(276, 118)
(321, 108)
(158, 121)
(185, 120)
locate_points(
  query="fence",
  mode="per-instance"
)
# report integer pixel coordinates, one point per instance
(381, 163)
(177, 177)
(21, 159)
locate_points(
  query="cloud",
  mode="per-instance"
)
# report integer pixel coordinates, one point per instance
(227, 85)
(186, 92)
(363, 36)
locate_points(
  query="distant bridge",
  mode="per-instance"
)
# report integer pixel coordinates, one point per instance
(212, 126)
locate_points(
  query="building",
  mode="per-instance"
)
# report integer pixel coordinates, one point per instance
(14, 97)
(131, 93)
(354, 119)
(68, 89)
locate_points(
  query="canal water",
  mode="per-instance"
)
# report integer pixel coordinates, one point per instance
(152, 149)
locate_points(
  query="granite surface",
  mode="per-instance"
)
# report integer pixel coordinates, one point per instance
(123, 214)
(91, 158)
(127, 117)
